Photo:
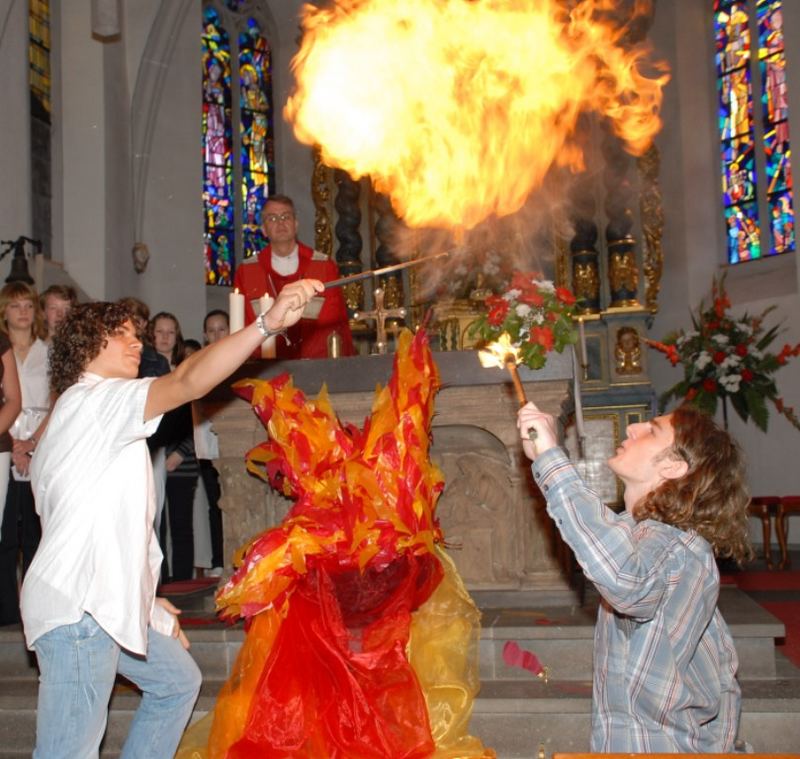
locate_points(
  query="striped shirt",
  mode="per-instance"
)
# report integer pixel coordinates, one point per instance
(664, 660)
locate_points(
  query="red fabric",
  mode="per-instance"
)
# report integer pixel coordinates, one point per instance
(309, 337)
(365, 700)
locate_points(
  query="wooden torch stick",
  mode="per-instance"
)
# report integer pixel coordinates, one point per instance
(511, 365)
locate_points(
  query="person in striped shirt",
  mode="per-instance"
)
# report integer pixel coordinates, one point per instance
(664, 660)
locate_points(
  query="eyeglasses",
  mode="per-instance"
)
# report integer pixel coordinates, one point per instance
(273, 217)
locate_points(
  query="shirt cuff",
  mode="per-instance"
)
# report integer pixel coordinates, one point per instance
(162, 621)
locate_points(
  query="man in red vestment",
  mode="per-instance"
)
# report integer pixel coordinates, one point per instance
(286, 260)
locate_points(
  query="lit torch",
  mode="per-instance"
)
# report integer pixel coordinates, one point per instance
(502, 353)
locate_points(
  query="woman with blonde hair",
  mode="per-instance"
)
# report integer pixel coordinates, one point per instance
(22, 324)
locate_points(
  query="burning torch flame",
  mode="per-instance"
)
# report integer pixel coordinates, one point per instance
(502, 353)
(458, 109)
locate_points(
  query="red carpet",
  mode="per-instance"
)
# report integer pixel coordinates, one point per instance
(764, 580)
(761, 583)
(184, 587)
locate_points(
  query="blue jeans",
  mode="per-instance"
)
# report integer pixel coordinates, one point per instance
(78, 664)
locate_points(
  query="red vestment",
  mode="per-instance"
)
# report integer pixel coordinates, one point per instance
(309, 337)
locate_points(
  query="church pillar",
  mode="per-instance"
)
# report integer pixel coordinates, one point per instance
(15, 196)
(348, 256)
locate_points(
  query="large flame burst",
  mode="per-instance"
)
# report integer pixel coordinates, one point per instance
(457, 109)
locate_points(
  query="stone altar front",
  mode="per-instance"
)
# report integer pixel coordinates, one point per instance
(493, 519)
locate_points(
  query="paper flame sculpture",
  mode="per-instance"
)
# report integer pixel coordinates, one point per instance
(457, 109)
(361, 640)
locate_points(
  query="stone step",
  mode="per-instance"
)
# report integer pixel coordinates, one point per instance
(560, 636)
(512, 716)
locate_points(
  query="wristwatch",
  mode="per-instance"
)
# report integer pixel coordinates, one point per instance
(265, 331)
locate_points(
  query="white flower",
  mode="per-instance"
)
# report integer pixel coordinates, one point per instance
(755, 353)
(545, 285)
(731, 362)
(522, 309)
(538, 318)
(731, 382)
(744, 328)
(702, 361)
(720, 339)
(512, 294)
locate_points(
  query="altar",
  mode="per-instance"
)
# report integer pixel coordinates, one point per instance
(493, 520)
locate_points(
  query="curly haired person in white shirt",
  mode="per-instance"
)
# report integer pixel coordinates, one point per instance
(89, 605)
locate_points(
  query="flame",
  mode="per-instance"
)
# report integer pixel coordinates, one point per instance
(499, 353)
(457, 109)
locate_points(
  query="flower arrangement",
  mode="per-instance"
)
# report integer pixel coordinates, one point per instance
(727, 357)
(534, 313)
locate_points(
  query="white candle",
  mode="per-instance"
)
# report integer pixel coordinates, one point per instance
(579, 429)
(582, 335)
(268, 346)
(236, 311)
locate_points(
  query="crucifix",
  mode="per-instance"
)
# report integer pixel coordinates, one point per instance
(379, 315)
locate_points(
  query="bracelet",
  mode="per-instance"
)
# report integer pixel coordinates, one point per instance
(265, 331)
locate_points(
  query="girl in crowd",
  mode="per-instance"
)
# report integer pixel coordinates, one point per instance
(22, 324)
(177, 435)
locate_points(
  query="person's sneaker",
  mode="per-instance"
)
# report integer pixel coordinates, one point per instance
(214, 572)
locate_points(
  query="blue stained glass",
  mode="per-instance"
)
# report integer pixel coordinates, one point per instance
(217, 159)
(257, 153)
(732, 35)
(769, 14)
(744, 238)
(735, 104)
(219, 258)
(781, 223)
(738, 175)
(778, 155)
(774, 100)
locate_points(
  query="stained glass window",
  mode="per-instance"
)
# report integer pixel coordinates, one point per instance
(756, 156)
(235, 126)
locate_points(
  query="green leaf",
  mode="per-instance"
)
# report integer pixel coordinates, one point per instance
(757, 407)
(739, 403)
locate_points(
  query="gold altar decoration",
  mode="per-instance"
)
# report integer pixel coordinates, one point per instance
(321, 194)
(652, 215)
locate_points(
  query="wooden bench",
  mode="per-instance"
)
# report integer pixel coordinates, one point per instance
(765, 507)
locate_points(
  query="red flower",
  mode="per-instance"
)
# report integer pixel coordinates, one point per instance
(719, 357)
(720, 304)
(673, 355)
(498, 308)
(691, 393)
(543, 336)
(565, 296)
(532, 297)
(747, 375)
(551, 316)
(523, 280)
(741, 350)
(779, 404)
(710, 385)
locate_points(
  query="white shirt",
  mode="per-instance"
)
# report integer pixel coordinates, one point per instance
(286, 265)
(34, 383)
(93, 484)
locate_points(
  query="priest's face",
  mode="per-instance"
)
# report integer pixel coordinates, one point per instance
(280, 225)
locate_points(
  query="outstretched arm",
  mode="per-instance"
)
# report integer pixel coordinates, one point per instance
(205, 369)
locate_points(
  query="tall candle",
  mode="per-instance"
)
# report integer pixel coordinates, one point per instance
(268, 347)
(236, 311)
(579, 428)
(582, 335)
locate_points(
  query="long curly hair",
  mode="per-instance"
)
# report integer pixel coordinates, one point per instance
(80, 338)
(712, 497)
(22, 291)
